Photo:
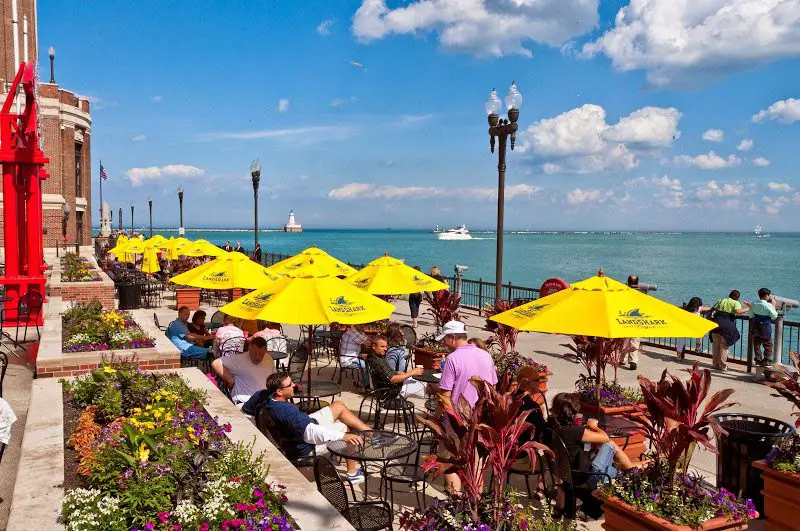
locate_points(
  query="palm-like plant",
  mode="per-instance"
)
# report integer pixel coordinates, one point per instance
(443, 307)
(597, 353)
(787, 385)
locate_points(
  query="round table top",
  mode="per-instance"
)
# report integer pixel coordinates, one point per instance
(277, 355)
(432, 376)
(319, 389)
(378, 445)
(328, 334)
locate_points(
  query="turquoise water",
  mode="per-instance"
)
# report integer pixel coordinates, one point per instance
(707, 265)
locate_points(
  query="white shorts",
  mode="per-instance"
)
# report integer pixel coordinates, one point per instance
(324, 417)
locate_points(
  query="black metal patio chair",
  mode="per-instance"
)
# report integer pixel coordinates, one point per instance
(3, 367)
(29, 308)
(408, 472)
(364, 516)
(267, 425)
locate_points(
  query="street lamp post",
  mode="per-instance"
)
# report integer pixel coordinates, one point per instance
(255, 173)
(150, 205)
(500, 130)
(180, 206)
(52, 53)
(131, 218)
(120, 219)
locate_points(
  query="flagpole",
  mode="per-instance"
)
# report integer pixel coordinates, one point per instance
(101, 196)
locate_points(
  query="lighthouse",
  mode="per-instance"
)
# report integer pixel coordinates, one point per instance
(292, 225)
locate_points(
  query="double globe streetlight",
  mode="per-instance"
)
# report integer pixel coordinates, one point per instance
(500, 129)
(255, 173)
(180, 207)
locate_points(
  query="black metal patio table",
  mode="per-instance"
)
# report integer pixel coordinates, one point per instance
(378, 446)
(276, 356)
(431, 376)
(319, 389)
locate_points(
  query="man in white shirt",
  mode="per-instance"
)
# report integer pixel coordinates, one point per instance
(350, 352)
(247, 372)
(328, 424)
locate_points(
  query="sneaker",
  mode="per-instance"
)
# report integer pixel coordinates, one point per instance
(355, 477)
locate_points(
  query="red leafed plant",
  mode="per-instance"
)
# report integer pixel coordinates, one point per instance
(504, 336)
(595, 354)
(676, 417)
(443, 306)
(486, 435)
(787, 386)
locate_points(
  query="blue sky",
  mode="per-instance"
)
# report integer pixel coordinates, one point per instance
(676, 116)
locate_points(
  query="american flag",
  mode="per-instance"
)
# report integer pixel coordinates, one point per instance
(103, 174)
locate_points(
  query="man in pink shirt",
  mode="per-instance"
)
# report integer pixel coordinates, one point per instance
(464, 362)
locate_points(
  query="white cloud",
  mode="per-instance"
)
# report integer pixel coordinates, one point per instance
(779, 187)
(669, 192)
(680, 42)
(488, 27)
(408, 120)
(713, 189)
(324, 27)
(156, 99)
(773, 206)
(761, 162)
(340, 102)
(714, 135)
(581, 197)
(581, 141)
(745, 145)
(311, 134)
(784, 111)
(283, 105)
(708, 161)
(139, 138)
(138, 176)
(96, 103)
(374, 191)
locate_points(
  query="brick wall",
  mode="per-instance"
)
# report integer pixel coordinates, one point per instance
(84, 292)
(62, 371)
(24, 8)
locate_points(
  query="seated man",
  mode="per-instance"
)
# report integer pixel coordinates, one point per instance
(245, 373)
(350, 351)
(384, 377)
(328, 424)
(188, 343)
(227, 331)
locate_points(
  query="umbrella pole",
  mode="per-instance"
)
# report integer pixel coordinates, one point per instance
(310, 357)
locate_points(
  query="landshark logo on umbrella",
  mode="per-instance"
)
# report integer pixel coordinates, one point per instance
(361, 282)
(216, 277)
(529, 311)
(635, 318)
(419, 281)
(257, 302)
(341, 305)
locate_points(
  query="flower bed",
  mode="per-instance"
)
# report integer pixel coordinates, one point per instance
(78, 269)
(88, 327)
(144, 454)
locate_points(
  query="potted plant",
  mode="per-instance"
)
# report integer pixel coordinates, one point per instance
(428, 352)
(780, 470)
(443, 307)
(662, 495)
(478, 439)
(608, 402)
(187, 296)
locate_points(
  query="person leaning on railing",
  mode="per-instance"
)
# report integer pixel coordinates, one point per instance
(761, 314)
(726, 334)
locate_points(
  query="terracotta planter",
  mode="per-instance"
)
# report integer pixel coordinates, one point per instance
(613, 419)
(427, 358)
(188, 297)
(619, 516)
(781, 498)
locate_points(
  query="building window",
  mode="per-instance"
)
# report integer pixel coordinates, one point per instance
(78, 169)
(79, 227)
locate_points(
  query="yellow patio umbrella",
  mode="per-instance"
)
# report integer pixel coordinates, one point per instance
(121, 241)
(323, 260)
(390, 276)
(310, 300)
(201, 248)
(230, 270)
(173, 247)
(602, 307)
(150, 259)
(158, 241)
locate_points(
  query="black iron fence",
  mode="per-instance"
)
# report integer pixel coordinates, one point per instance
(476, 294)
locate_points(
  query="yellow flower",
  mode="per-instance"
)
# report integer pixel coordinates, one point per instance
(148, 407)
(168, 417)
(108, 369)
(137, 411)
(157, 413)
(144, 453)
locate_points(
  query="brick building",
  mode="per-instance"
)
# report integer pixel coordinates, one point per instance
(66, 126)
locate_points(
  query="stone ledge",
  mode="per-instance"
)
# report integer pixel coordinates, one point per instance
(39, 490)
(102, 290)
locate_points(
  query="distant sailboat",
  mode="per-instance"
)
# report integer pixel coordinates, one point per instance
(757, 231)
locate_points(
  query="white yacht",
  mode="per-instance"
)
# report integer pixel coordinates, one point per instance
(460, 233)
(292, 225)
(757, 231)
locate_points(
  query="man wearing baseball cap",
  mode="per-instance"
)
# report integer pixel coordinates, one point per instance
(464, 362)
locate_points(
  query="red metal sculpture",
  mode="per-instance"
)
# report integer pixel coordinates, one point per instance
(23, 170)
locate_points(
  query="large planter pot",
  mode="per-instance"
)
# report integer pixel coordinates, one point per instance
(188, 297)
(781, 498)
(613, 419)
(619, 516)
(427, 358)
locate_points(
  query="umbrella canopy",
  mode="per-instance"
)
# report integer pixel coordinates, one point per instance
(330, 265)
(121, 241)
(201, 248)
(174, 245)
(158, 241)
(150, 260)
(310, 300)
(230, 270)
(390, 276)
(602, 307)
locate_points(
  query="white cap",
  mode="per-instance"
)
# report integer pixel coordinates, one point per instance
(452, 327)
